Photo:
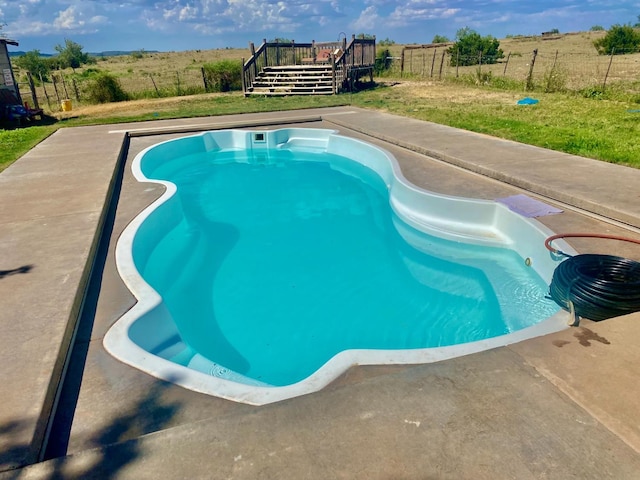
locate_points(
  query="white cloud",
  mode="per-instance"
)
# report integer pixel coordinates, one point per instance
(367, 20)
(66, 19)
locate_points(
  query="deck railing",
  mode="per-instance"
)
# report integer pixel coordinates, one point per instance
(347, 60)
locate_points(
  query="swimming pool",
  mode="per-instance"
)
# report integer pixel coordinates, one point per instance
(278, 259)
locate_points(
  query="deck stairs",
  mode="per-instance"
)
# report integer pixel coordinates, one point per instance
(314, 79)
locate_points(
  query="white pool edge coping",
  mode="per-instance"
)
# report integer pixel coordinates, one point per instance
(118, 343)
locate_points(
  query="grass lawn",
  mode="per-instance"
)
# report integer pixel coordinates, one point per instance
(604, 129)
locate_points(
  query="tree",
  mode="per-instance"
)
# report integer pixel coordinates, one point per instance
(440, 39)
(71, 55)
(597, 28)
(471, 49)
(620, 39)
(33, 62)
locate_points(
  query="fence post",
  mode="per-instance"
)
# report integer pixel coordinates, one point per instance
(604, 84)
(32, 87)
(64, 85)
(529, 85)
(402, 63)
(457, 61)
(504, 73)
(46, 95)
(204, 78)
(75, 89)
(411, 61)
(154, 85)
(433, 61)
(55, 88)
(441, 64)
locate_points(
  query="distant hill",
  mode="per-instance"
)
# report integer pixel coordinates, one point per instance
(19, 53)
(110, 53)
(117, 53)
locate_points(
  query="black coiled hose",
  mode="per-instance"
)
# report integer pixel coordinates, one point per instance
(598, 286)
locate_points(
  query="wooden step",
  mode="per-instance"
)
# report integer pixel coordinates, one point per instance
(289, 90)
(297, 68)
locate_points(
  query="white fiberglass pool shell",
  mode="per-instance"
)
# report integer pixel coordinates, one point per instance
(148, 326)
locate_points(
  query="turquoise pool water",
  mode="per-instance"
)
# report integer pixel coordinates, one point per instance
(279, 259)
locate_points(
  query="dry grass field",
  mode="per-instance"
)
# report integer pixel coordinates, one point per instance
(571, 58)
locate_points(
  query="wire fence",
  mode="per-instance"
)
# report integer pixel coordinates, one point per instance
(549, 71)
(53, 92)
(567, 70)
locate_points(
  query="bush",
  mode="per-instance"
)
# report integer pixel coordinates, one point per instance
(223, 76)
(383, 61)
(620, 39)
(104, 88)
(471, 49)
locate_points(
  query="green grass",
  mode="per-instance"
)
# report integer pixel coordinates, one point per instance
(16, 143)
(600, 129)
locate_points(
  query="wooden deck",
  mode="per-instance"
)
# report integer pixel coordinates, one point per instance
(325, 68)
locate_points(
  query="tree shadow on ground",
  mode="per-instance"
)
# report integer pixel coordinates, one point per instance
(15, 271)
(116, 443)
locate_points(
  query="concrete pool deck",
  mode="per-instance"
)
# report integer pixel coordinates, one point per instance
(552, 407)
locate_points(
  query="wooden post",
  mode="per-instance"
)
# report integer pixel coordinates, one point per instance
(604, 83)
(32, 87)
(154, 85)
(314, 53)
(64, 85)
(411, 61)
(373, 60)
(75, 89)
(46, 95)
(244, 80)
(424, 61)
(252, 49)
(433, 61)
(441, 64)
(55, 87)
(204, 78)
(504, 73)
(402, 63)
(555, 59)
(529, 85)
(293, 51)
(457, 61)
(334, 82)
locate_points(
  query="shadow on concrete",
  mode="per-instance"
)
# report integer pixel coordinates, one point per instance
(148, 414)
(13, 451)
(15, 271)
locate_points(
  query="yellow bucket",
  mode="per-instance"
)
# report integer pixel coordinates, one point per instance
(66, 105)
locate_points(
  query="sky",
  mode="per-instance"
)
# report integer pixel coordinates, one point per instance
(179, 25)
